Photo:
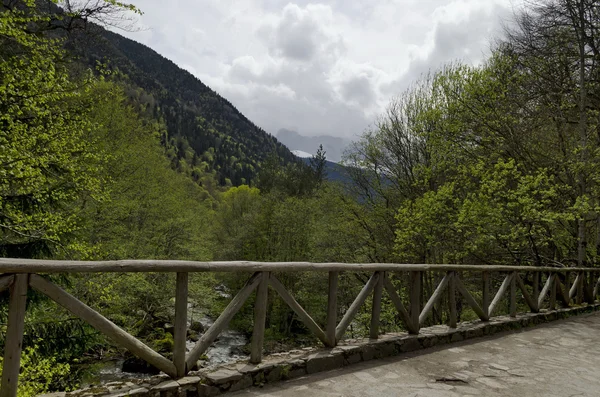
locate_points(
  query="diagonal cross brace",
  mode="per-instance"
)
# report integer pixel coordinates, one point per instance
(211, 334)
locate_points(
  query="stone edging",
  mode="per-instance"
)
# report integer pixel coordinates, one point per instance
(298, 363)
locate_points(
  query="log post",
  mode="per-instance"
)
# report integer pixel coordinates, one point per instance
(376, 307)
(565, 292)
(180, 333)
(545, 290)
(260, 316)
(332, 309)
(536, 291)
(513, 295)
(580, 288)
(415, 300)
(596, 289)
(14, 336)
(589, 288)
(553, 280)
(485, 301)
(452, 300)
(574, 290)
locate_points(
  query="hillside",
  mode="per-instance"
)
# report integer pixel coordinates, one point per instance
(222, 139)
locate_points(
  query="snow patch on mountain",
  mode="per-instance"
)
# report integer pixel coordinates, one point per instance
(301, 154)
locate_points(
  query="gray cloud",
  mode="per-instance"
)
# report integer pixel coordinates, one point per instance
(320, 68)
(466, 40)
(358, 89)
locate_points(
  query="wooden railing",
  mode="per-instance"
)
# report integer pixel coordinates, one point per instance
(20, 274)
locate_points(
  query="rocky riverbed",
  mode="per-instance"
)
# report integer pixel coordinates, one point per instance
(228, 348)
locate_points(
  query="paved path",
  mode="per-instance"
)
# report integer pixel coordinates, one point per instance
(557, 359)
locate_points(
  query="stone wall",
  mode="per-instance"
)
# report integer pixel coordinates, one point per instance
(298, 363)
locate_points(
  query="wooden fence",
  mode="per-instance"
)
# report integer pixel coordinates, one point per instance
(20, 274)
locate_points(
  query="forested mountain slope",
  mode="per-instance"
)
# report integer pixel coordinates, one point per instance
(221, 139)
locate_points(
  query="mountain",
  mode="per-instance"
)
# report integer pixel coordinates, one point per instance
(301, 154)
(334, 146)
(204, 130)
(335, 172)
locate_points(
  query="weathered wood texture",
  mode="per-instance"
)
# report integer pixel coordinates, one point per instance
(536, 290)
(552, 301)
(260, 316)
(415, 300)
(222, 321)
(485, 294)
(332, 309)
(180, 332)
(376, 307)
(588, 288)
(12, 265)
(576, 285)
(14, 336)
(300, 312)
(102, 324)
(452, 316)
(585, 288)
(6, 281)
(549, 284)
(513, 295)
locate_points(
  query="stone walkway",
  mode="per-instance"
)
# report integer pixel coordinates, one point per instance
(557, 359)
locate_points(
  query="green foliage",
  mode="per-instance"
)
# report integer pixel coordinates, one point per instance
(202, 126)
(39, 374)
(295, 178)
(487, 164)
(151, 211)
(47, 162)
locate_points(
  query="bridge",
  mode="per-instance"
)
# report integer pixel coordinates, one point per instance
(539, 289)
(557, 359)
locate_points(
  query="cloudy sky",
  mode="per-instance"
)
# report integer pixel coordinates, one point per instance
(323, 67)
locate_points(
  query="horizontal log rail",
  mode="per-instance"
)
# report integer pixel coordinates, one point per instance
(402, 284)
(8, 265)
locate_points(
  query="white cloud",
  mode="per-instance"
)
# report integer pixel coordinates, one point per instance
(319, 68)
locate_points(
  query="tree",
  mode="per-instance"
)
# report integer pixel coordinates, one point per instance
(318, 163)
(558, 43)
(46, 162)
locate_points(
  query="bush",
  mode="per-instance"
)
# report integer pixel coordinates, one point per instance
(40, 374)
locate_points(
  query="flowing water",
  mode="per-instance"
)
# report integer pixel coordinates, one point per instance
(227, 348)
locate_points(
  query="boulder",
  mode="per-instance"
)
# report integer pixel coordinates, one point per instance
(170, 328)
(197, 326)
(192, 335)
(137, 365)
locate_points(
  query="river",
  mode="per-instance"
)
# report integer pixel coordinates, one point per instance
(227, 348)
